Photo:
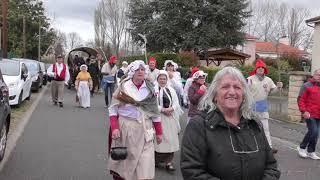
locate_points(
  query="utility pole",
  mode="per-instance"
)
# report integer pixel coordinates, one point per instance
(24, 36)
(39, 43)
(4, 33)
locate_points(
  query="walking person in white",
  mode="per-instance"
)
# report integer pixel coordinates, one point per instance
(170, 112)
(59, 72)
(84, 86)
(261, 86)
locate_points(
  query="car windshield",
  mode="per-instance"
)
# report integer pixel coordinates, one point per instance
(10, 68)
(32, 67)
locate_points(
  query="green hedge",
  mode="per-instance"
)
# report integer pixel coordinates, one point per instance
(183, 62)
(183, 59)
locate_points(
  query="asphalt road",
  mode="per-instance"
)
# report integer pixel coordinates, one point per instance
(70, 144)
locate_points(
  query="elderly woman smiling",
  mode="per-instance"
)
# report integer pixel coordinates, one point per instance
(223, 141)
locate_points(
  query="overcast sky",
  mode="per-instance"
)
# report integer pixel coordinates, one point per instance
(77, 15)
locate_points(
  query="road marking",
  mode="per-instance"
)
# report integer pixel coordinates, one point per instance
(14, 136)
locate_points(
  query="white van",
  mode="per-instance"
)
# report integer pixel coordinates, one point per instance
(18, 79)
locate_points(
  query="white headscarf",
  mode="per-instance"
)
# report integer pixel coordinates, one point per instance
(175, 65)
(197, 74)
(134, 66)
(85, 66)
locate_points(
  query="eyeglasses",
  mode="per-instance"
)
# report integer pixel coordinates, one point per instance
(243, 152)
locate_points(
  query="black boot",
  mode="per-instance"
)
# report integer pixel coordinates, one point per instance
(61, 104)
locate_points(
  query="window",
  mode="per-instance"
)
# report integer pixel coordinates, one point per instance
(24, 69)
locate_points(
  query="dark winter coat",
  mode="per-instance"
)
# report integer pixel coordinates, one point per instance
(194, 95)
(207, 153)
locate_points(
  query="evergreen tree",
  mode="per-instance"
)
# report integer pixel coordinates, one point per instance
(172, 25)
(33, 11)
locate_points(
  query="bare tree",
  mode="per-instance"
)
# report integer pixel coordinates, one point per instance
(297, 28)
(271, 20)
(90, 43)
(99, 23)
(73, 40)
(111, 22)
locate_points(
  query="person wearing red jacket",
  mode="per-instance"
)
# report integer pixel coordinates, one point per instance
(309, 106)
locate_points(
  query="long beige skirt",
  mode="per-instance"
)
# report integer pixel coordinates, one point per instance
(140, 163)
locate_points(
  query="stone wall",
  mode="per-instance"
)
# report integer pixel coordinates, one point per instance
(296, 80)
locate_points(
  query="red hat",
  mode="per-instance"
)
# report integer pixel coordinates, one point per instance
(112, 59)
(152, 59)
(194, 70)
(260, 63)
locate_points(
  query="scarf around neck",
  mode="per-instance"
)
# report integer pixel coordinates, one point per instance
(148, 105)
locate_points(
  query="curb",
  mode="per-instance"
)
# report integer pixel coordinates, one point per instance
(14, 137)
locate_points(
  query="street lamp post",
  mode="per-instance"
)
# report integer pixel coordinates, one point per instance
(277, 43)
(145, 46)
(39, 43)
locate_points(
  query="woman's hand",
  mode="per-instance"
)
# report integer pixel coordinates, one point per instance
(167, 111)
(115, 134)
(159, 139)
(203, 87)
(306, 115)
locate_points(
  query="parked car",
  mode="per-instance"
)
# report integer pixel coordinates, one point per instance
(35, 72)
(15, 74)
(47, 65)
(44, 72)
(5, 114)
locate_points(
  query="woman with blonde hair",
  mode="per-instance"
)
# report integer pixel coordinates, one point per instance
(83, 86)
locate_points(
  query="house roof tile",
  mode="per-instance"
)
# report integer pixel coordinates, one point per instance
(269, 47)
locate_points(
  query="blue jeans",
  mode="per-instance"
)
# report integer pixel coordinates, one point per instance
(108, 91)
(311, 138)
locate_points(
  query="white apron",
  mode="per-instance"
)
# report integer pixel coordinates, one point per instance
(170, 125)
(84, 94)
(140, 163)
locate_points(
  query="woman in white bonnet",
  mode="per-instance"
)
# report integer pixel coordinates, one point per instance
(174, 77)
(83, 86)
(133, 113)
(170, 112)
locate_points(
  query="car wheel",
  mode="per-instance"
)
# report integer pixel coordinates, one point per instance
(29, 97)
(3, 140)
(20, 99)
(44, 82)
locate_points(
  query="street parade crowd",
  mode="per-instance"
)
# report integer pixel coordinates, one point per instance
(227, 135)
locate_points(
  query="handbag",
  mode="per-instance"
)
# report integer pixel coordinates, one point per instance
(149, 134)
(118, 153)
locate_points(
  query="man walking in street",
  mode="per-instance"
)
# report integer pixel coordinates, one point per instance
(109, 71)
(309, 105)
(59, 72)
(261, 85)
